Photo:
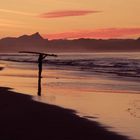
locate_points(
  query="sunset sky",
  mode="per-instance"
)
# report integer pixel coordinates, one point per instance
(71, 18)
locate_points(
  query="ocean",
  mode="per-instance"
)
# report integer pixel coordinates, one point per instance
(104, 87)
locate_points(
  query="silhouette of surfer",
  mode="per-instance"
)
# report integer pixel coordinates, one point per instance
(40, 62)
(41, 57)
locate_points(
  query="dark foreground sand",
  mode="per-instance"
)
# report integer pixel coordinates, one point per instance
(21, 118)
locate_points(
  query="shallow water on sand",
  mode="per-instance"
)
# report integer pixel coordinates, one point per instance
(112, 100)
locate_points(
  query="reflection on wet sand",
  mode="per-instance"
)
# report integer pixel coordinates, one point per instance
(92, 97)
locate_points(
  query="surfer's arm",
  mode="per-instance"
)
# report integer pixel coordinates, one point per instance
(44, 56)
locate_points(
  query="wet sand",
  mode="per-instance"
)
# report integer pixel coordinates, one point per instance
(22, 118)
(112, 102)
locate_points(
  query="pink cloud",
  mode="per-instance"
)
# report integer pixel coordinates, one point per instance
(67, 13)
(97, 33)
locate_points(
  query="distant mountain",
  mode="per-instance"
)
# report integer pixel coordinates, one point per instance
(96, 45)
(36, 42)
(34, 37)
(23, 43)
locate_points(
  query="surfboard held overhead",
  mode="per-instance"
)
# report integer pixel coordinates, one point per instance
(39, 53)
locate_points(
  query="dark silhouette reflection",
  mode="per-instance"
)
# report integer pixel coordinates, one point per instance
(21, 118)
(1, 68)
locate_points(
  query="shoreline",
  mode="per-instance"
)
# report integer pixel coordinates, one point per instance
(24, 118)
(100, 96)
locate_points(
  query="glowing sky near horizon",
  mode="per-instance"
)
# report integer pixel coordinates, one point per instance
(71, 18)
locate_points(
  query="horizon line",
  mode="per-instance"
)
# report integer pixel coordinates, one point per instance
(74, 38)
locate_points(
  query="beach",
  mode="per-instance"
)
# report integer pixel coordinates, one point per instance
(103, 103)
(23, 118)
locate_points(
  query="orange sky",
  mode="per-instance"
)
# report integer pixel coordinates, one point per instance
(71, 18)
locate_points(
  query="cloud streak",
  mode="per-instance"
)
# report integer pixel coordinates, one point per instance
(16, 12)
(97, 33)
(67, 13)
